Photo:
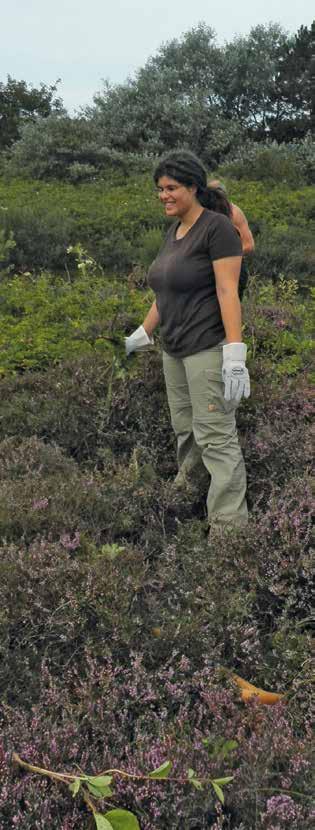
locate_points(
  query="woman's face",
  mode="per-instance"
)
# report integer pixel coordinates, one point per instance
(177, 198)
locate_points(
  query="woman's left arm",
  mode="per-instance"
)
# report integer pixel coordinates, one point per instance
(227, 273)
(234, 372)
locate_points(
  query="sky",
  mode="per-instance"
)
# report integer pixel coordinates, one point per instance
(85, 41)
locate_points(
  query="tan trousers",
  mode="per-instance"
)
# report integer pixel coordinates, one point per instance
(205, 428)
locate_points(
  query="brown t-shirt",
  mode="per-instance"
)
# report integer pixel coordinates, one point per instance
(183, 281)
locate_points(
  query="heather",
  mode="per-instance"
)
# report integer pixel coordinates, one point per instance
(120, 628)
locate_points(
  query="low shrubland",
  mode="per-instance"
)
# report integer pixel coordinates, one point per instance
(120, 627)
(123, 633)
(120, 222)
(108, 217)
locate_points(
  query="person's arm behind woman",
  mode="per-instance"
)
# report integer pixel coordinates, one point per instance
(241, 224)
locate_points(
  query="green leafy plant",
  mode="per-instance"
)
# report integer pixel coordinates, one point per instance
(45, 319)
(91, 787)
(7, 244)
(278, 328)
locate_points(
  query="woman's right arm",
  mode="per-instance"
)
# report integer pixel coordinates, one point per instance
(152, 320)
(143, 335)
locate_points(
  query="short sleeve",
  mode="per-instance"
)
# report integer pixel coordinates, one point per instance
(223, 239)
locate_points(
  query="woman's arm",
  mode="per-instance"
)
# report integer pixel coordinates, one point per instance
(240, 223)
(143, 334)
(152, 320)
(234, 372)
(227, 272)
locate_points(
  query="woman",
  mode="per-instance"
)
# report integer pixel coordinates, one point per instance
(195, 278)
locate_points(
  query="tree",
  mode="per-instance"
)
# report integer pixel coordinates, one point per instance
(20, 104)
(170, 102)
(264, 80)
(245, 78)
(193, 93)
(294, 96)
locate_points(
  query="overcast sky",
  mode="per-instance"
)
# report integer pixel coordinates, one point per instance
(85, 41)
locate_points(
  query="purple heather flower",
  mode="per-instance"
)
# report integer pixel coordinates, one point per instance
(41, 504)
(282, 808)
(68, 543)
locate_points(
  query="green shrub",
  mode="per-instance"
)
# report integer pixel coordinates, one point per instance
(282, 221)
(149, 244)
(278, 329)
(41, 234)
(45, 319)
(286, 251)
(69, 149)
(121, 223)
(273, 206)
(107, 217)
(7, 244)
(291, 163)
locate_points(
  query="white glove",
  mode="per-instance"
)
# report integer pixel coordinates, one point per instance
(234, 373)
(137, 340)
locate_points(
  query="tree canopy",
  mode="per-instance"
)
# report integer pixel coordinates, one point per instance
(191, 93)
(192, 88)
(21, 104)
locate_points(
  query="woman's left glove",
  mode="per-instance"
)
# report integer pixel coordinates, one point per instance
(234, 373)
(137, 340)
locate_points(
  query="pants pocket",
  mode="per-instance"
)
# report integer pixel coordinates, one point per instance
(215, 393)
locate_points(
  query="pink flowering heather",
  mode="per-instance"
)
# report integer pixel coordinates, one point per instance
(70, 543)
(283, 810)
(41, 504)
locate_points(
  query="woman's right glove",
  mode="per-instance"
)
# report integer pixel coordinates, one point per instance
(137, 340)
(234, 372)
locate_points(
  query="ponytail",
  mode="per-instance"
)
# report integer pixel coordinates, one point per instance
(214, 198)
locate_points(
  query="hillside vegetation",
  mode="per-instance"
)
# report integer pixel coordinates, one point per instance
(119, 625)
(121, 630)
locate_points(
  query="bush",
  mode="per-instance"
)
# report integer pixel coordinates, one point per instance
(149, 244)
(7, 243)
(73, 149)
(43, 492)
(124, 657)
(106, 217)
(138, 720)
(41, 236)
(292, 163)
(278, 329)
(121, 222)
(46, 319)
(287, 251)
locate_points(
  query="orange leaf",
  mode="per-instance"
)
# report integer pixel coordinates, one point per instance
(248, 691)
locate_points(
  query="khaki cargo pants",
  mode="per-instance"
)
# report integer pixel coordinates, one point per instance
(205, 428)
